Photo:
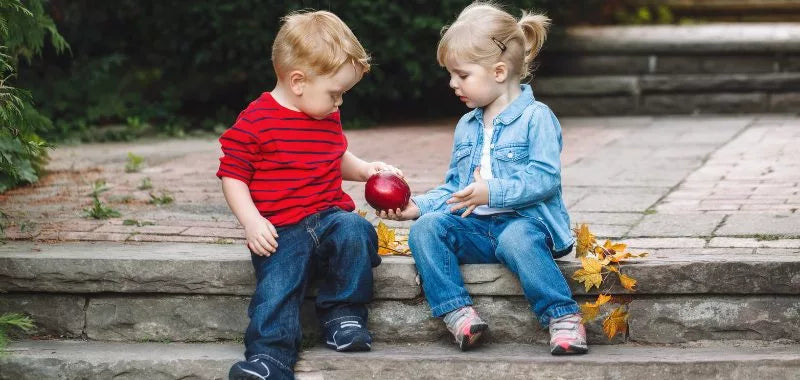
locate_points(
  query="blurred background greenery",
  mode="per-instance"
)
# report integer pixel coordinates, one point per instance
(130, 68)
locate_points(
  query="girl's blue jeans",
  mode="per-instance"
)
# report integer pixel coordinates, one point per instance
(338, 249)
(440, 242)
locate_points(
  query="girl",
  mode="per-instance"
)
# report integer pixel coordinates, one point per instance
(501, 201)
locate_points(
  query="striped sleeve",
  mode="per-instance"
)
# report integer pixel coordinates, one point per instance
(240, 150)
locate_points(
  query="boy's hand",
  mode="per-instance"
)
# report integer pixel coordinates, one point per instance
(474, 195)
(378, 166)
(411, 211)
(261, 237)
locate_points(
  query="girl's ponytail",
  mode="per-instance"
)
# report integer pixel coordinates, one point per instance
(534, 28)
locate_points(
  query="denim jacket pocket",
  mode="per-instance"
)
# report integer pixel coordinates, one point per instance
(511, 158)
(461, 155)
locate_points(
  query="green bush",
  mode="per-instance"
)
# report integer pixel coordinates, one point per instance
(193, 65)
(23, 153)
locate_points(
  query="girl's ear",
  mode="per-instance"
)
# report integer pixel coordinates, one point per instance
(500, 72)
(297, 82)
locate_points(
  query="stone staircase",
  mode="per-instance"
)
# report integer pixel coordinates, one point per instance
(728, 68)
(176, 310)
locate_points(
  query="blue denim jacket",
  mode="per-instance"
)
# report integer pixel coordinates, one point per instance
(525, 157)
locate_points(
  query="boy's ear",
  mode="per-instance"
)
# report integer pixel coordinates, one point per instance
(500, 72)
(297, 82)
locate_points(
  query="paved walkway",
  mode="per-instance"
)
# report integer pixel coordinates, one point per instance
(699, 184)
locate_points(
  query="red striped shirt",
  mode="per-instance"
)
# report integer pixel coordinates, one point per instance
(291, 163)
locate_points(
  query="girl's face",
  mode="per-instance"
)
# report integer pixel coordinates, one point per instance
(474, 84)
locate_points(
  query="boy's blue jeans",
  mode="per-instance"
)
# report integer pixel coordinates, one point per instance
(440, 242)
(337, 248)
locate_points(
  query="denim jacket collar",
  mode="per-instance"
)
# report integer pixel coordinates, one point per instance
(513, 110)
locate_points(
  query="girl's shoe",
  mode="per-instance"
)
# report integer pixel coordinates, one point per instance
(567, 335)
(466, 326)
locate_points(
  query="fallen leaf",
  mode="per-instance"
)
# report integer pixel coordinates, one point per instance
(386, 240)
(589, 310)
(616, 323)
(626, 281)
(585, 240)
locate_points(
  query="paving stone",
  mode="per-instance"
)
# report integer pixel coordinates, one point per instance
(753, 242)
(676, 320)
(656, 225)
(616, 202)
(757, 224)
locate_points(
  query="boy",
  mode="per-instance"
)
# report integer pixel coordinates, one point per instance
(283, 163)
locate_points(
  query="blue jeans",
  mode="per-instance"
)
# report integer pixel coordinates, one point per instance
(335, 247)
(440, 242)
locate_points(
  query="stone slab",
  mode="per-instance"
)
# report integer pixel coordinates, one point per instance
(59, 269)
(683, 319)
(716, 38)
(719, 83)
(75, 359)
(586, 86)
(53, 315)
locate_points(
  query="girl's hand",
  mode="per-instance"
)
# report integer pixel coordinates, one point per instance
(378, 166)
(409, 212)
(474, 195)
(261, 237)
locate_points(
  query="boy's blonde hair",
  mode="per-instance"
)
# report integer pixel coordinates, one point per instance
(319, 42)
(485, 34)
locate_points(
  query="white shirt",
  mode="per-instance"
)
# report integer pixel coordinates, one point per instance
(486, 173)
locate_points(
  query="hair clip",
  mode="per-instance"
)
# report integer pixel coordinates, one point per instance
(499, 44)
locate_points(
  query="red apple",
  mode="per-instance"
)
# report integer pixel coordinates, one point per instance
(387, 191)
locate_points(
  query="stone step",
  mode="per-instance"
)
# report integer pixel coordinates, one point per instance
(670, 94)
(702, 39)
(185, 292)
(78, 359)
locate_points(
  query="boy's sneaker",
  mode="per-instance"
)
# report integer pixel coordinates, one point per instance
(257, 369)
(567, 335)
(466, 326)
(347, 334)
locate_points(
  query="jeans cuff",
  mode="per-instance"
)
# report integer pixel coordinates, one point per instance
(341, 311)
(450, 305)
(557, 312)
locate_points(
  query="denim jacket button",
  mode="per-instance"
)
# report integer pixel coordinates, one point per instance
(510, 155)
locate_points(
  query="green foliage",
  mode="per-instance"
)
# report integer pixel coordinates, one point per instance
(24, 27)
(134, 163)
(163, 199)
(98, 209)
(137, 223)
(193, 65)
(12, 320)
(146, 184)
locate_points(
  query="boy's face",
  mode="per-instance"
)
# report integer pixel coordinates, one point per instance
(322, 95)
(474, 84)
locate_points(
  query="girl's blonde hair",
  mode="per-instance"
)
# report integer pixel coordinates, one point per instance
(485, 34)
(317, 41)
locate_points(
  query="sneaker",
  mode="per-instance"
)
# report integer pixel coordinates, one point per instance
(567, 335)
(466, 326)
(257, 369)
(347, 334)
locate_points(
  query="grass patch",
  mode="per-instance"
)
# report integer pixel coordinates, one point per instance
(134, 163)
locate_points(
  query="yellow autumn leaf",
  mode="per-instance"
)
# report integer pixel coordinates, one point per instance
(612, 268)
(588, 279)
(591, 265)
(626, 281)
(585, 240)
(616, 323)
(386, 240)
(589, 310)
(362, 213)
